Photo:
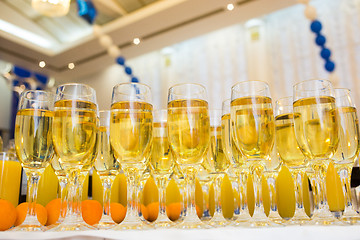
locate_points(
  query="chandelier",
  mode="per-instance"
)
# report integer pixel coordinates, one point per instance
(51, 8)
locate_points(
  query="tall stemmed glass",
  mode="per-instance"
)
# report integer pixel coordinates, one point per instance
(348, 148)
(253, 130)
(74, 136)
(106, 166)
(162, 162)
(131, 130)
(216, 164)
(189, 137)
(290, 153)
(34, 146)
(237, 163)
(316, 131)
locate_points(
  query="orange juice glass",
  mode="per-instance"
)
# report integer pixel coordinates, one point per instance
(10, 175)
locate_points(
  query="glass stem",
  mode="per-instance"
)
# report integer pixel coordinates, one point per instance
(217, 196)
(33, 183)
(298, 179)
(190, 189)
(259, 208)
(345, 182)
(161, 180)
(106, 183)
(63, 195)
(132, 194)
(73, 196)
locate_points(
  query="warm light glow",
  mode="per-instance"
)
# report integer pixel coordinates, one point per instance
(42, 64)
(71, 65)
(51, 8)
(136, 41)
(230, 7)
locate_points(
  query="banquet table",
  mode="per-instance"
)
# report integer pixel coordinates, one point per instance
(278, 233)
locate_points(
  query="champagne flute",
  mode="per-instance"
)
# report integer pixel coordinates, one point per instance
(316, 132)
(290, 153)
(34, 146)
(189, 137)
(348, 149)
(107, 167)
(162, 163)
(252, 126)
(74, 136)
(216, 164)
(237, 164)
(131, 133)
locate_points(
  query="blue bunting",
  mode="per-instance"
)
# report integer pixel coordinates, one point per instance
(86, 10)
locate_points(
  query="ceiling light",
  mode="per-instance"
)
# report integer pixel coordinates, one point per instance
(42, 64)
(136, 41)
(71, 66)
(51, 8)
(230, 7)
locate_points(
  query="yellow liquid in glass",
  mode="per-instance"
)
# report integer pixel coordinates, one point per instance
(229, 148)
(10, 175)
(253, 126)
(33, 137)
(316, 127)
(189, 130)
(286, 144)
(161, 156)
(348, 148)
(74, 131)
(131, 133)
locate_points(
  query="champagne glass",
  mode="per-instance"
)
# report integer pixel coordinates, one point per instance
(237, 164)
(290, 153)
(74, 136)
(189, 137)
(216, 164)
(131, 133)
(162, 163)
(348, 148)
(34, 146)
(252, 126)
(107, 167)
(316, 132)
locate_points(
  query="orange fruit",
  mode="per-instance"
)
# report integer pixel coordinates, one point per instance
(144, 211)
(118, 212)
(173, 211)
(53, 211)
(198, 211)
(153, 210)
(22, 209)
(7, 215)
(91, 211)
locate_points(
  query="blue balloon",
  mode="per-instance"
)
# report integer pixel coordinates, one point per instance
(134, 79)
(86, 10)
(325, 53)
(320, 40)
(316, 26)
(128, 70)
(21, 72)
(120, 60)
(329, 66)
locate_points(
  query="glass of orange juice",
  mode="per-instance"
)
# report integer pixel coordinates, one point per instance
(10, 175)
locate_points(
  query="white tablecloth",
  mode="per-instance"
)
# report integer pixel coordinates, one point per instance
(227, 233)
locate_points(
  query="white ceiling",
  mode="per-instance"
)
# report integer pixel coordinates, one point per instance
(27, 37)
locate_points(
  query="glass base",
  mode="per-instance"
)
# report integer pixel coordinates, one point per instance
(133, 223)
(29, 228)
(350, 217)
(242, 219)
(299, 218)
(72, 223)
(275, 217)
(192, 222)
(218, 221)
(323, 218)
(259, 219)
(163, 222)
(106, 222)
